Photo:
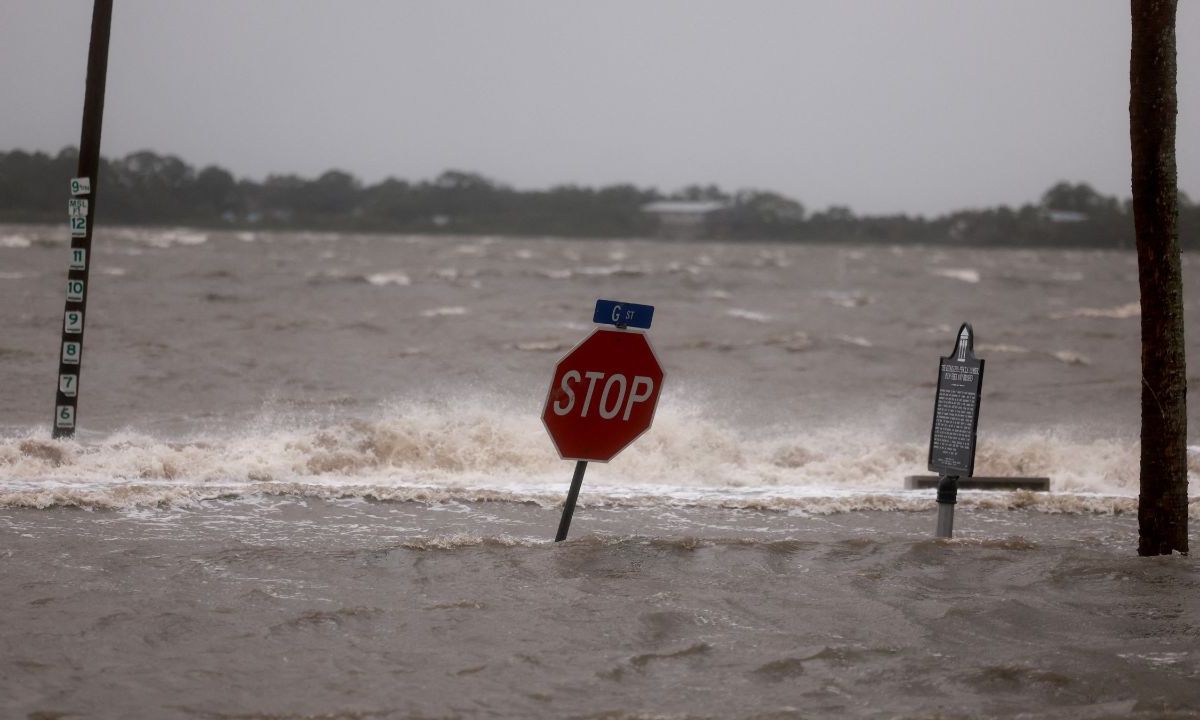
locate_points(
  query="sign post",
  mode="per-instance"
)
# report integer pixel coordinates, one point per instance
(603, 394)
(81, 213)
(955, 422)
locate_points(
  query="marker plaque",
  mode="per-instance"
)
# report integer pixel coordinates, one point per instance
(956, 409)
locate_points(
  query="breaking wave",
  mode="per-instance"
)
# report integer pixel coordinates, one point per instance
(480, 453)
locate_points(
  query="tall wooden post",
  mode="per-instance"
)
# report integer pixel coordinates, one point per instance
(83, 222)
(1162, 504)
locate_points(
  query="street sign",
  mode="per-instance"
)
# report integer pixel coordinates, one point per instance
(956, 409)
(603, 395)
(621, 314)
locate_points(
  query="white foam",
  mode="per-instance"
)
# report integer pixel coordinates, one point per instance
(389, 278)
(752, 315)
(169, 238)
(444, 311)
(1001, 348)
(14, 241)
(482, 450)
(967, 275)
(609, 270)
(855, 340)
(1120, 312)
(846, 299)
(1070, 357)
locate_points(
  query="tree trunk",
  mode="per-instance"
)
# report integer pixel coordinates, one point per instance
(1162, 505)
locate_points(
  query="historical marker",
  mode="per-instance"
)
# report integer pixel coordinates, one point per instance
(955, 419)
(956, 411)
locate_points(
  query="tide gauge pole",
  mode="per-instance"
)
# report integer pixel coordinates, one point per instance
(81, 214)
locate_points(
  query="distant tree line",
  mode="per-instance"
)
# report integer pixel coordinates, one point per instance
(145, 188)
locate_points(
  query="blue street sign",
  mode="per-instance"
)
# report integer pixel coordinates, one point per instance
(611, 312)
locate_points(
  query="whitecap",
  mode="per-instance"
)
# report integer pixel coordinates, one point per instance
(752, 315)
(610, 270)
(1001, 348)
(539, 346)
(855, 340)
(169, 238)
(846, 298)
(444, 311)
(14, 241)
(486, 454)
(389, 278)
(967, 275)
(1120, 312)
(1070, 357)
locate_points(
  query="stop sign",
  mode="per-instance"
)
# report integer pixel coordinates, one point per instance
(603, 395)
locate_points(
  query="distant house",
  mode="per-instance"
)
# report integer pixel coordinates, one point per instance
(684, 219)
(1066, 216)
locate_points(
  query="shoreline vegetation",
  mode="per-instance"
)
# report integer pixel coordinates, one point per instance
(146, 188)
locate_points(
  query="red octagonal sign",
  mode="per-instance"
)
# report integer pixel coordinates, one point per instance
(603, 395)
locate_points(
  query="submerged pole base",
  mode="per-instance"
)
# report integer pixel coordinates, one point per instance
(564, 525)
(947, 498)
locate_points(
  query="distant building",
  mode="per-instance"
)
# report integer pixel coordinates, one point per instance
(1066, 216)
(684, 219)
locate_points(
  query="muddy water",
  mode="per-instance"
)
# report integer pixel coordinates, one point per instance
(311, 482)
(352, 609)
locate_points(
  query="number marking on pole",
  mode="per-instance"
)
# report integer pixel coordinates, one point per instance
(70, 353)
(74, 291)
(73, 322)
(77, 207)
(81, 186)
(68, 384)
(64, 416)
(78, 259)
(79, 227)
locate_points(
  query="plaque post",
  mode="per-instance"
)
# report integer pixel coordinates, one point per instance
(947, 498)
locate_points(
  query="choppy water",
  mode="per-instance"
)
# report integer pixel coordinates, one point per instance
(319, 486)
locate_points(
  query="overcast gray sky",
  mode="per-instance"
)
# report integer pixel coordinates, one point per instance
(900, 106)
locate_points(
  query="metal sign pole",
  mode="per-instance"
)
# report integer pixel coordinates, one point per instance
(82, 213)
(564, 525)
(947, 498)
